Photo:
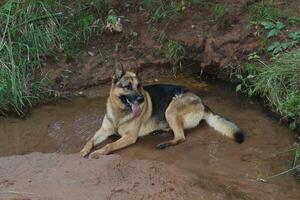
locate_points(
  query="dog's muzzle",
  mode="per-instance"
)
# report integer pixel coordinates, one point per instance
(133, 102)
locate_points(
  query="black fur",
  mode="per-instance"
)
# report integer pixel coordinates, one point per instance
(162, 146)
(161, 95)
(239, 137)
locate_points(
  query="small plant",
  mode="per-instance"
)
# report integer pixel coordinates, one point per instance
(165, 9)
(112, 18)
(32, 30)
(294, 36)
(159, 14)
(263, 11)
(152, 31)
(175, 52)
(297, 157)
(220, 11)
(273, 29)
(253, 56)
(246, 81)
(278, 47)
(293, 20)
(133, 35)
(278, 82)
(162, 39)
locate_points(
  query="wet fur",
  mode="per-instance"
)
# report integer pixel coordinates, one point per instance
(164, 107)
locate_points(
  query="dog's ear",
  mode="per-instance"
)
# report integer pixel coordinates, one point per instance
(136, 71)
(119, 71)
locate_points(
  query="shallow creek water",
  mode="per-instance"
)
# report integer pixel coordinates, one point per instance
(65, 126)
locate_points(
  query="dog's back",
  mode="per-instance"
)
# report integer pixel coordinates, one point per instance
(161, 95)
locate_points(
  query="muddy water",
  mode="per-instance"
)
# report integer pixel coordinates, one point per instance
(66, 125)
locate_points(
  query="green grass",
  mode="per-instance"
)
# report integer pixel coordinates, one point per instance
(278, 82)
(263, 11)
(31, 30)
(173, 51)
(219, 11)
(167, 9)
(164, 9)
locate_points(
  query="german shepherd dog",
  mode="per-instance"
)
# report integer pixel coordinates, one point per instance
(133, 111)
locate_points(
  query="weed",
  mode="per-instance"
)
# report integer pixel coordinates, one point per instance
(263, 11)
(167, 9)
(163, 39)
(205, 3)
(219, 11)
(296, 162)
(164, 10)
(133, 35)
(173, 50)
(294, 36)
(278, 82)
(30, 31)
(293, 20)
(273, 29)
(278, 47)
(78, 28)
(152, 31)
(112, 18)
(28, 34)
(247, 80)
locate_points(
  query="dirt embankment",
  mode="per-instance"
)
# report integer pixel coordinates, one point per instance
(215, 46)
(68, 177)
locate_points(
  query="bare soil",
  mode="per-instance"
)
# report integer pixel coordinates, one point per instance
(69, 177)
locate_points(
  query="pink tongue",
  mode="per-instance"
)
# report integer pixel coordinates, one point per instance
(136, 109)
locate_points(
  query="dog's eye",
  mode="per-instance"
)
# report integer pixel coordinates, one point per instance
(128, 87)
(139, 86)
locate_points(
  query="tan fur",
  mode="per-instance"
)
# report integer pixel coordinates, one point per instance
(184, 112)
(220, 124)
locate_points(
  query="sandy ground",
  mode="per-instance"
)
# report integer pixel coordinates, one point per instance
(69, 177)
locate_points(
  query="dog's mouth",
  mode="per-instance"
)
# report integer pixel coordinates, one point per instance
(135, 108)
(132, 103)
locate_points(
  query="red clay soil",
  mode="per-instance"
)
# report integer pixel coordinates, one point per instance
(212, 45)
(69, 177)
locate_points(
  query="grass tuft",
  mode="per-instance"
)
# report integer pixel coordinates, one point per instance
(279, 83)
(30, 31)
(263, 11)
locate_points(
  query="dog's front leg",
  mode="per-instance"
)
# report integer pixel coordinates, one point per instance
(102, 134)
(124, 141)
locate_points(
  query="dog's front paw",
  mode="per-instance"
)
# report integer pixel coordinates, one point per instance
(97, 154)
(84, 152)
(94, 155)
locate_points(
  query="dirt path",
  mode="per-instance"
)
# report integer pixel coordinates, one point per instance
(210, 166)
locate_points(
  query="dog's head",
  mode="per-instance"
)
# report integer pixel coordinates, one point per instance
(127, 90)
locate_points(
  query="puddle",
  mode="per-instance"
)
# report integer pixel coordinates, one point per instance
(66, 125)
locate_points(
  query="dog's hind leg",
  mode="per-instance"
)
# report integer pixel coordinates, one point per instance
(183, 112)
(102, 134)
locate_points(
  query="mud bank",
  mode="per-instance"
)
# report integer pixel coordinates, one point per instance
(68, 177)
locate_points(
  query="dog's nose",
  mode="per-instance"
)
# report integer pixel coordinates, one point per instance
(140, 99)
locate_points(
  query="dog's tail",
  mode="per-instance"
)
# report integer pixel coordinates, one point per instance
(223, 126)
